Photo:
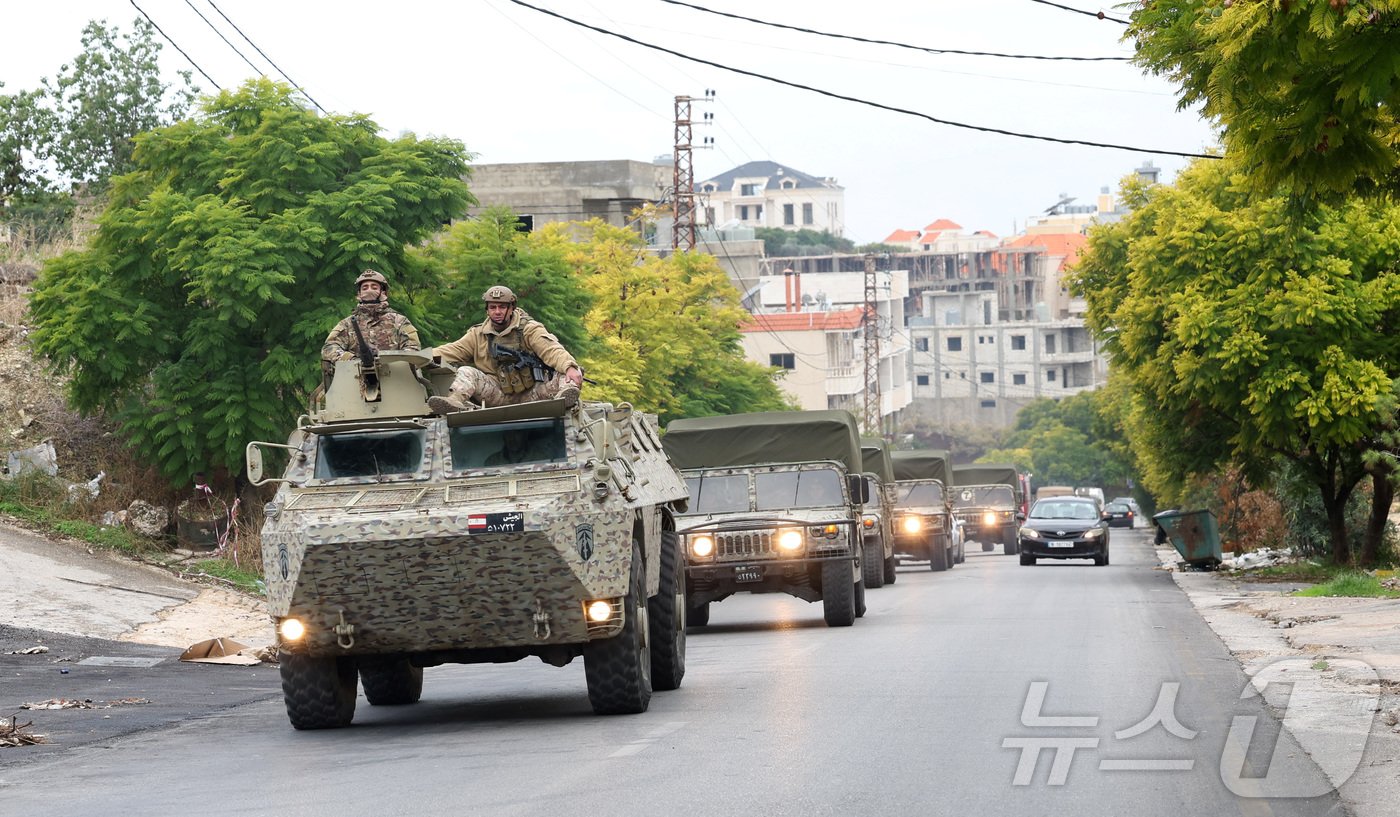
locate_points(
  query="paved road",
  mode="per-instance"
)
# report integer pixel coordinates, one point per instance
(924, 707)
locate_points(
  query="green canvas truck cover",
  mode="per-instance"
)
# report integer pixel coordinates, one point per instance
(927, 463)
(988, 473)
(876, 459)
(765, 437)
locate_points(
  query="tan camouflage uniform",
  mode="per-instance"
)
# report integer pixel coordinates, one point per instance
(382, 327)
(480, 379)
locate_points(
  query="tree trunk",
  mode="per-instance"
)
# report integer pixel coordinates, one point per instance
(1382, 494)
(1336, 490)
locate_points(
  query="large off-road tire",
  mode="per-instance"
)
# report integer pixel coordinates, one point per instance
(987, 546)
(1012, 547)
(666, 614)
(838, 593)
(391, 682)
(1027, 559)
(319, 692)
(860, 599)
(891, 568)
(618, 669)
(937, 554)
(697, 615)
(872, 565)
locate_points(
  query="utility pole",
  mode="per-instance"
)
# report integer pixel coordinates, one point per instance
(871, 323)
(683, 174)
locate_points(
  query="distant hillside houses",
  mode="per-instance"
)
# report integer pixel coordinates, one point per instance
(942, 236)
(767, 194)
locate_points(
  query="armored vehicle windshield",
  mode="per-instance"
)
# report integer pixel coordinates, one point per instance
(780, 490)
(919, 494)
(983, 496)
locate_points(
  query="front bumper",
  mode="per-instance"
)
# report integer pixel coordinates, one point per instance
(1078, 548)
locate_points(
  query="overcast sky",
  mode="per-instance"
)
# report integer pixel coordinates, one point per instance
(515, 85)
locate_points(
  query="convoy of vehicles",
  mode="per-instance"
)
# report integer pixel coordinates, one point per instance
(877, 520)
(399, 540)
(776, 507)
(925, 529)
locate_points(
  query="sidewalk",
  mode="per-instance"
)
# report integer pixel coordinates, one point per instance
(1345, 660)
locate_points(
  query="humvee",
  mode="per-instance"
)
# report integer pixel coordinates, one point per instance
(399, 540)
(924, 525)
(775, 508)
(987, 502)
(877, 520)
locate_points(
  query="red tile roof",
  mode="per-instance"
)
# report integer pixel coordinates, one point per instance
(803, 321)
(1067, 245)
(901, 237)
(943, 224)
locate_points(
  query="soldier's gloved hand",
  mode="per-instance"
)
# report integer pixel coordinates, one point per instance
(575, 375)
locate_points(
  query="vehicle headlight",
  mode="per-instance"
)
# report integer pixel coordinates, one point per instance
(912, 524)
(1029, 533)
(702, 545)
(1093, 533)
(291, 629)
(989, 518)
(790, 539)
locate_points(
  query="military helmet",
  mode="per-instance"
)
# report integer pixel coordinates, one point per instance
(499, 294)
(371, 275)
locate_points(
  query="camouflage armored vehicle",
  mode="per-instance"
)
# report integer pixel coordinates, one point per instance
(399, 540)
(924, 528)
(877, 521)
(775, 508)
(987, 502)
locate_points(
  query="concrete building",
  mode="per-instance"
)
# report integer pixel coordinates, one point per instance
(570, 191)
(767, 194)
(814, 327)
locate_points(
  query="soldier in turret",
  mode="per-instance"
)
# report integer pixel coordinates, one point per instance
(494, 365)
(380, 326)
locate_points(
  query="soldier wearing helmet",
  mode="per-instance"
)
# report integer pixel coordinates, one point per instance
(382, 327)
(488, 372)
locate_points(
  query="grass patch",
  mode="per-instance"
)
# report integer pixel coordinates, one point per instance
(1352, 584)
(107, 537)
(246, 580)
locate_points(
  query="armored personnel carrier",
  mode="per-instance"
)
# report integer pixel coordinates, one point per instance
(399, 540)
(776, 508)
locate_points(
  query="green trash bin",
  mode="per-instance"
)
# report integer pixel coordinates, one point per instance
(1194, 534)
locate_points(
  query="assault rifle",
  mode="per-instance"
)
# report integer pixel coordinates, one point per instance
(368, 375)
(512, 359)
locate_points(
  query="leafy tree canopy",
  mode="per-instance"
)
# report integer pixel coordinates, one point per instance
(197, 312)
(1249, 331)
(1307, 90)
(778, 242)
(1072, 441)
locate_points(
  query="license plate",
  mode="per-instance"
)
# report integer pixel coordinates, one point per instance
(748, 573)
(1060, 544)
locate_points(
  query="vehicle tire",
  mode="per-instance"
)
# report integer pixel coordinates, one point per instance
(872, 566)
(1027, 559)
(319, 692)
(987, 546)
(891, 569)
(698, 615)
(838, 593)
(391, 682)
(1013, 547)
(938, 555)
(618, 669)
(859, 590)
(666, 614)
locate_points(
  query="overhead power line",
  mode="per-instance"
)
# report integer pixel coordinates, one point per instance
(215, 29)
(176, 46)
(888, 42)
(866, 102)
(1099, 14)
(289, 80)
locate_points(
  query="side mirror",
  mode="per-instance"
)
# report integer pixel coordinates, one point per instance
(1020, 517)
(860, 492)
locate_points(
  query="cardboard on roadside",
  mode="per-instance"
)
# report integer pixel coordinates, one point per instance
(219, 651)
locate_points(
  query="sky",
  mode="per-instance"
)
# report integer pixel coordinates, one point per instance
(516, 85)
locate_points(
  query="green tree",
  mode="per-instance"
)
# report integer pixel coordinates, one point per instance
(490, 249)
(778, 242)
(1250, 330)
(1307, 91)
(1070, 441)
(197, 312)
(667, 329)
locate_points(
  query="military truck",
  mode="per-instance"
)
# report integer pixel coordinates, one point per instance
(987, 501)
(924, 528)
(399, 540)
(877, 520)
(775, 507)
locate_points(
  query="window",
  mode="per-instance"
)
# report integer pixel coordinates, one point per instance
(786, 360)
(748, 190)
(947, 375)
(520, 443)
(921, 344)
(370, 454)
(743, 212)
(788, 218)
(1018, 342)
(989, 404)
(1018, 380)
(921, 379)
(807, 214)
(981, 340)
(758, 213)
(1050, 375)
(989, 377)
(1050, 344)
(955, 344)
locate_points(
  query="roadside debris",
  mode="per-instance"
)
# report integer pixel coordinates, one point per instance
(221, 651)
(39, 650)
(41, 458)
(13, 733)
(1263, 557)
(86, 703)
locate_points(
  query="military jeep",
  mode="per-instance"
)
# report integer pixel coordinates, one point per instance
(925, 528)
(399, 540)
(987, 502)
(776, 500)
(877, 520)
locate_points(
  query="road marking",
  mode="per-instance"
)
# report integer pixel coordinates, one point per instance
(654, 735)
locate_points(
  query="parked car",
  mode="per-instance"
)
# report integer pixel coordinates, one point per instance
(1064, 527)
(1119, 515)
